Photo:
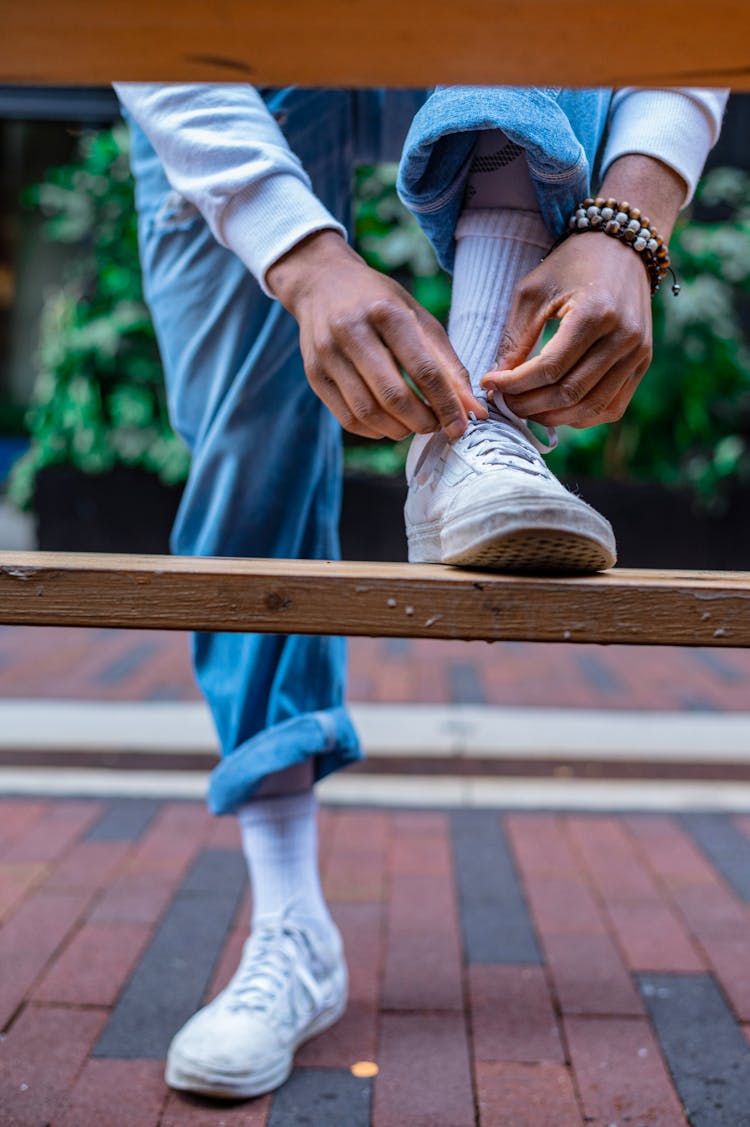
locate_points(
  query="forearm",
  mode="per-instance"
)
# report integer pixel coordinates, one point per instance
(648, 184)
(222, 150)
(677, 127)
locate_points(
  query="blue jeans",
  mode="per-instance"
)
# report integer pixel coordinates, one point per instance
(266, 454)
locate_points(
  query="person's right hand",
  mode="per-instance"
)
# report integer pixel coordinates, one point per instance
(358, 328)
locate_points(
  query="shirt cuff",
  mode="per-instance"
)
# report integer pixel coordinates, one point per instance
(262, 223)
(664, 124)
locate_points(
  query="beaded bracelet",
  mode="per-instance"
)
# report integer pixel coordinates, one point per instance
(627, 224)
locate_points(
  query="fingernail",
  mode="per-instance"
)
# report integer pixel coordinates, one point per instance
(455, 429)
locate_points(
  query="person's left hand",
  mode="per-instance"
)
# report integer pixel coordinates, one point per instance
(587, 373)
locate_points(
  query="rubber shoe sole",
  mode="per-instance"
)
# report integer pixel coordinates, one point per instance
(542, 539)
(185, 1075)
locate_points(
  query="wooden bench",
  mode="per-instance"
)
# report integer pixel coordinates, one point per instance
(350, 42)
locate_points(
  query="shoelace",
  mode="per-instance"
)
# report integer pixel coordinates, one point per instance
(501, 441)
(267, 966)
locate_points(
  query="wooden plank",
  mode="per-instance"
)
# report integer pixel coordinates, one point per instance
(361, 43)
(399, 600)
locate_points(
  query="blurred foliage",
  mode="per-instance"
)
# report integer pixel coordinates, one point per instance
(99, 396)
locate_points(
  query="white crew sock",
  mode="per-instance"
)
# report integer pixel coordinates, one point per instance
(495, 248)
(280, 842)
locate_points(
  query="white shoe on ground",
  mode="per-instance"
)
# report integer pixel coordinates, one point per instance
(289, 986)
(488, 500)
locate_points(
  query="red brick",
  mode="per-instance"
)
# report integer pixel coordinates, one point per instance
(95, 964)
(424, 1078)
(49, 837)
(712, 911)
(730, 959)
(423, 952)
(15, 881)
(610, 859)
(17, 816)
(136, 897)
(742, 822)
(175, 836)
(669, 852)
(118, 1093)
(224, 833)
(30, 939)
(526, 1095)
(512, 1017)
(89, 864)
(621, 1074)
(541, 846)
(589, 976)
(417, 850)
(39, 1060)
(563, 907)
(653, 938)
(353, 1038)
(183, 1110)
(355, 868)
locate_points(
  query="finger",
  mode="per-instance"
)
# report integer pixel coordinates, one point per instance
(336, 384)
(377, 369)
(440, 343)
(606, 402)
(579, 330)
(440, 384)
(529, 312)
(576, 385)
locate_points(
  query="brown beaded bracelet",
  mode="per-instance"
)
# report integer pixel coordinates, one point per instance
(626, 223)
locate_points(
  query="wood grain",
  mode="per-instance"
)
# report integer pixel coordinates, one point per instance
(400, 600)
(360, 43)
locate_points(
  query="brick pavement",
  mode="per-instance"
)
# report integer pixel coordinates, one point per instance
(92, 664)
(508, 970)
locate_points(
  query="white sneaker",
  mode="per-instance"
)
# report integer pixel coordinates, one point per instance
(488, 500)
(288, 987)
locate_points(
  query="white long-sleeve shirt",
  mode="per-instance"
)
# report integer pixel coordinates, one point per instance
(223, 151)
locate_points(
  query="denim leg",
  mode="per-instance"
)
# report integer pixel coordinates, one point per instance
(266, 470)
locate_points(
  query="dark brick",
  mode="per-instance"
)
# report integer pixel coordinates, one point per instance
(725, 847)
(125, 819)
(705, 1049)
(494, 918)
(321, 1097)
(170, 981)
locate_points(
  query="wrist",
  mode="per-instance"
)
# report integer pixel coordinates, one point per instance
(648, 184)
(296, 272)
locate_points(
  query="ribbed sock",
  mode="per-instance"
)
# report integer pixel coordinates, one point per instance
(495, 248)
(280, 842)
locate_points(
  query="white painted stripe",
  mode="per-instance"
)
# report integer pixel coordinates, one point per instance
(400, 791)
(394, 730)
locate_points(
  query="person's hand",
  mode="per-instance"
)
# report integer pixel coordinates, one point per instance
(598, 289)
(588, 372)
(358, 328)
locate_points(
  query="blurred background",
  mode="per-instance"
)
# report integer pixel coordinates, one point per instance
(88, 459)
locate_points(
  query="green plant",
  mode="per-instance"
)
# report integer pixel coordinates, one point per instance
(99, 397)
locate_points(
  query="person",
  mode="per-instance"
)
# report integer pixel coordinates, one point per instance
(275, 334)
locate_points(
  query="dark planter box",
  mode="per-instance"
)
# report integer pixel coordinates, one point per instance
(123, 510)
(127, 510)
